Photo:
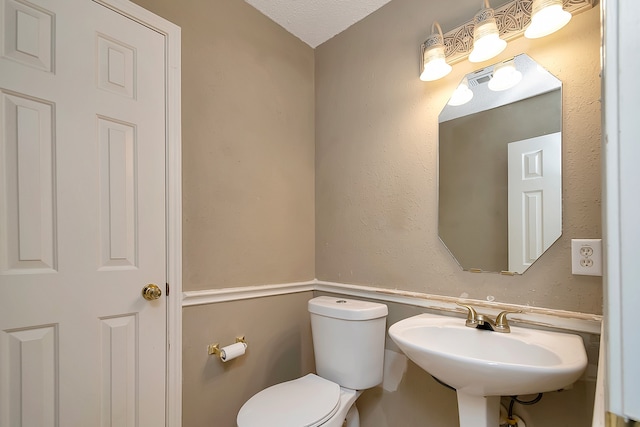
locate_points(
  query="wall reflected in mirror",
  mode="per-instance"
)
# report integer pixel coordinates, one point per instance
(500, 168)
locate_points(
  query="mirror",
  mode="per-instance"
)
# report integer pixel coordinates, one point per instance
(500, 167)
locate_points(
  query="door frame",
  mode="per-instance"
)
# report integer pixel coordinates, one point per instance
(621, 209)
(173, 192)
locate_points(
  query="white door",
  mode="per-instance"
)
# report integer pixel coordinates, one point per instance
(535, 198)
(82, 217)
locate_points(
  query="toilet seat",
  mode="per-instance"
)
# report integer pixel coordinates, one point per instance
(305, 402)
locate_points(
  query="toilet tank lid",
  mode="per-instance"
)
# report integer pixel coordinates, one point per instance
(347, 309)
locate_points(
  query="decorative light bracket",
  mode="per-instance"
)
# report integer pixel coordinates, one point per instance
(512, 19)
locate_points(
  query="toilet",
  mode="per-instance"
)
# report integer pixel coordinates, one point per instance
(348, 341)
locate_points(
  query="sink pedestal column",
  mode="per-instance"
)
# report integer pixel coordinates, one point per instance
(478, 411)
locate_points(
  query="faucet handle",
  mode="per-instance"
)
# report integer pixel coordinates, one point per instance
(472, 315)
(502, 324)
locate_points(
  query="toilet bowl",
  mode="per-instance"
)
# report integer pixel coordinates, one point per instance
(310, 401)
(348, 339)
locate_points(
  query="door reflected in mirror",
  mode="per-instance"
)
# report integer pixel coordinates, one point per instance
(500, 168)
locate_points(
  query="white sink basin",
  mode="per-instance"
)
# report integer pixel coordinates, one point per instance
(480, 363)
(487, 363)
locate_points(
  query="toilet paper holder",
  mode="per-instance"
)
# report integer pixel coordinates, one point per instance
(214, 349)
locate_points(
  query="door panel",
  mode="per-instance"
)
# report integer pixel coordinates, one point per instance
(28, 34)
(27, 185)
(118, 168)
(32, 376)
(82, 226)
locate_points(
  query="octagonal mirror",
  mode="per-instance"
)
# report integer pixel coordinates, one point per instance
(500, 167)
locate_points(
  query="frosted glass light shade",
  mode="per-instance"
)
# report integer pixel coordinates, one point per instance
(486, 48)
(461, 95)
(505, 76)
(435, 65)
(486, 39)
(434, 62)
(547, 17)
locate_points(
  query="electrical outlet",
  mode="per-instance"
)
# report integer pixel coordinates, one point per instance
(586, 257)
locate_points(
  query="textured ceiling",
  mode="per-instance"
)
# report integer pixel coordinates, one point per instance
(316, 21)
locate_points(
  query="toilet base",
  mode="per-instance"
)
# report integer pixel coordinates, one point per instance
(353, 417)
(344, 414)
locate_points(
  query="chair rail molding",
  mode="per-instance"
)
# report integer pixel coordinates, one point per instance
(530, 316)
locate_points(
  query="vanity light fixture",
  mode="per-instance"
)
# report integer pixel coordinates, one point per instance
(547, 16)
(486, 39)
(461, 95)
(434, 64)
(514, 18)
(505, 76)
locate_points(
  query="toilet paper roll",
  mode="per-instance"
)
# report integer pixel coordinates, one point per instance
(232, 351)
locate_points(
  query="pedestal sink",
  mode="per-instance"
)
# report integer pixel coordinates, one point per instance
(483, 365)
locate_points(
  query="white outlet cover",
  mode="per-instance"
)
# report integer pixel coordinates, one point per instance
(593, 264)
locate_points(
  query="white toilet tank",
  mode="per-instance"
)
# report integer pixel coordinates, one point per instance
(348, 340)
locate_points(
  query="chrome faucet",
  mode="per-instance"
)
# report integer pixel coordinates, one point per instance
(481, 321)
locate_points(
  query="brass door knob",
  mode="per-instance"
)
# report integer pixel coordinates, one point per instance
(151, 292)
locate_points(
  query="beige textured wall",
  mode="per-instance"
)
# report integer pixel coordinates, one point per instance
(247, 146)
(248, 199)
(376, 157)
(248, 187)
(278, 332)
